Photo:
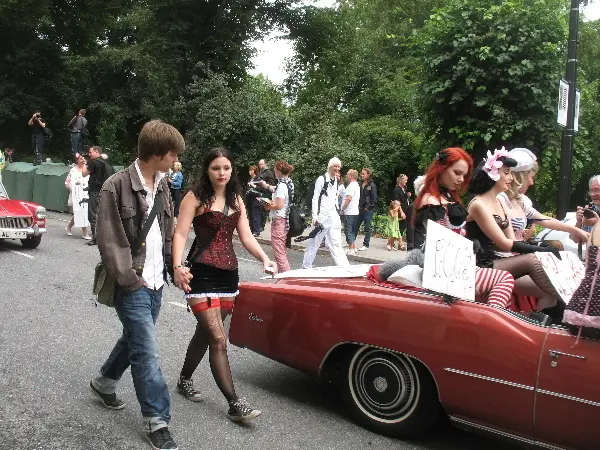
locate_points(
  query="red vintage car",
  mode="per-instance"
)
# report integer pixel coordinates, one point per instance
(21, 220)
(402, 357)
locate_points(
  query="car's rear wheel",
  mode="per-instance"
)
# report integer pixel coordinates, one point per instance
(390, 393)
(31, 242)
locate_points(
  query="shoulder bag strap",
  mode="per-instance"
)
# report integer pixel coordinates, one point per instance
(196, 252)
(137, 243)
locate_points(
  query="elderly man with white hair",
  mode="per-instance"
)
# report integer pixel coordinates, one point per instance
(326, 217)
(588, 216)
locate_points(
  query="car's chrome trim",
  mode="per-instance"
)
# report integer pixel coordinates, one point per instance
(568, 397)
(486, 378)
(460, 423)
(31, 231)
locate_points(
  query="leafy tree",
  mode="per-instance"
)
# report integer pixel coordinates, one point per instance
(490, 70)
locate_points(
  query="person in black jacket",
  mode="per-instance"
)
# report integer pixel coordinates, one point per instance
(366, 205)
(402, 194)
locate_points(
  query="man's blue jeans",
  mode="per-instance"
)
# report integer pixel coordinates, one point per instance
(351, 228)
(76, 143)
(137, 346)
(365, 217)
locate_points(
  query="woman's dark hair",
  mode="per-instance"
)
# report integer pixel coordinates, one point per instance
(284, 167)
(481, 181)
(203, 189)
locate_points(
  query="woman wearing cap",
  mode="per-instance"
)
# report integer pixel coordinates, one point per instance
(489, 224)
(520, 206)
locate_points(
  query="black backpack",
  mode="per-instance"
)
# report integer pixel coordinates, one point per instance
(296, 220)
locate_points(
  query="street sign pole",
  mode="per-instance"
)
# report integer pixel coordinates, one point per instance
(566, 156)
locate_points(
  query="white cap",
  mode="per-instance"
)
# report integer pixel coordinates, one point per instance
(333, 161)
(524, 157)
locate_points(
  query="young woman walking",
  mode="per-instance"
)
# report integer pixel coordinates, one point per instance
(214, 208)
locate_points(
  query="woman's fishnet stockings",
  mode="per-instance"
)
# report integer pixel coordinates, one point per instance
(522, 265)
(210, 334)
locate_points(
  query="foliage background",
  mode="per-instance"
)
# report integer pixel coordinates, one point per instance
(379, 83)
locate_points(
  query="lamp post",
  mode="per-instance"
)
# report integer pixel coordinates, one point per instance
(566, 157)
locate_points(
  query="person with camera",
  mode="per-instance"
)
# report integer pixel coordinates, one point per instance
(588, 215)
(78, 128)
(38, 139)
(268, 177)
(255, 206)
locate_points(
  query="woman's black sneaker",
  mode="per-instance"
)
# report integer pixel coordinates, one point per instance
(240, 411)
(110, 401)
(161, 439)
(186, 388)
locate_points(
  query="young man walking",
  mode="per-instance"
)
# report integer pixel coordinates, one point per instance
(125, 203)
(366, 205)
(326, 217)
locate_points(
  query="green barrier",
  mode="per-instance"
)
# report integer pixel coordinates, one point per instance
(49, 186)
(18, 180)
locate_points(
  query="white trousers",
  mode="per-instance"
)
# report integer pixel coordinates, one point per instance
(332, 233)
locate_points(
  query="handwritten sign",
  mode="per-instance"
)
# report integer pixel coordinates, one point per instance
(80, 203)
(449, 262)
(565, 274)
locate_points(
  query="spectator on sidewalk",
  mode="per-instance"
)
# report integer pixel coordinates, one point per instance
(283, 195)
(326, 218)
(99, 171)
(403, 195)
(366, 205)
(255, 207)
(175, 180)
(392, 228)
(38, 139)
(140, 277)
(75, 177)
(410, 224)
(349, 210)
(268, 176)
(78, 128)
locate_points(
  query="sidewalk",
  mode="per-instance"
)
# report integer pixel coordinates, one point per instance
(376, 253)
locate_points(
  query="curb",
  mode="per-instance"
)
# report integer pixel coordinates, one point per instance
(321, 251)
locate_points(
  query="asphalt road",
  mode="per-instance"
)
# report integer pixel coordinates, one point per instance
(53, 339)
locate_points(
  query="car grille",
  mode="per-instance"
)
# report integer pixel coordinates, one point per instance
(15, 222)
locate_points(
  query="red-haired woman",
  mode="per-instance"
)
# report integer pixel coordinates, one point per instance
(439, 200)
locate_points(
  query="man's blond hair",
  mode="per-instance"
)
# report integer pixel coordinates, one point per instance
(159, 138)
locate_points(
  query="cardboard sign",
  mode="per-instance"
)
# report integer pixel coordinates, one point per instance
(565, 274)
(449, 262)
(80, 203)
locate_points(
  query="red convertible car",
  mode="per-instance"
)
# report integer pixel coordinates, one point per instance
(21, 220)
(403, 356)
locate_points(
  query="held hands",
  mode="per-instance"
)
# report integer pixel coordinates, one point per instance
(182, 278)
(579, 236)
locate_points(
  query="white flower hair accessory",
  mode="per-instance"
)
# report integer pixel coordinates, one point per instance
(493, 164)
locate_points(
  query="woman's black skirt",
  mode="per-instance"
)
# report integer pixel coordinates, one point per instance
(213, 282)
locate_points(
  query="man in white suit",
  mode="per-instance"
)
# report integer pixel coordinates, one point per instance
(326, 217)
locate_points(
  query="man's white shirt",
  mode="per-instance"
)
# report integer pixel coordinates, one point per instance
(154, 263)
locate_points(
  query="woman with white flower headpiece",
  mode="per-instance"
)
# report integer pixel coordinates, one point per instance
(520, 206)
(489, 224)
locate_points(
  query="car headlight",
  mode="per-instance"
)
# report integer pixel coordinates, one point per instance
(40, 212)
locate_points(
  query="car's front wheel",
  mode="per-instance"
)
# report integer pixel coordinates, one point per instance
(31, 242)
(390, 393)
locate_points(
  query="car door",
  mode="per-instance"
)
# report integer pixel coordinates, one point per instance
(567, 407)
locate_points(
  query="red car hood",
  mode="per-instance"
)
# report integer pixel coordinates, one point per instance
(15, 208)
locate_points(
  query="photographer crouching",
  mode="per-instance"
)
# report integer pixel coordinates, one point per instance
(37, 138)
(589, 215)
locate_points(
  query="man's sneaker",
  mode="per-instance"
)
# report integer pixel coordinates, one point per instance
(161, 439)
(186, 388)
(240, 411)
(92, 242)
(363, 248)
(110, 401)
